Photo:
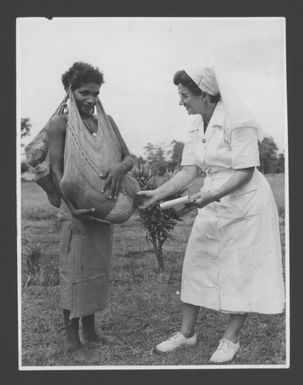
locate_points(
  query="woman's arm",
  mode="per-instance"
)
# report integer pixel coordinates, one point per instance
(56, 143)
(177, 183)
(238, 179)
(245, 157)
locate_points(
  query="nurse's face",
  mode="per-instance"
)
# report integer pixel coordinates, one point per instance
(86, 97)
(192, 103)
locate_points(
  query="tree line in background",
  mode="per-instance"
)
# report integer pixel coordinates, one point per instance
(25, 131)
(161, 160)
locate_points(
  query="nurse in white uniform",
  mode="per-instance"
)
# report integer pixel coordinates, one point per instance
(233, 258)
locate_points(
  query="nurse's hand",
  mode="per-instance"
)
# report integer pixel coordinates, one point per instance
(149, 198)
(201, 200)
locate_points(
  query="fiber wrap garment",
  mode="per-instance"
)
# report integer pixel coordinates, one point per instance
(87, 159)
(86, 247)
(84, 263)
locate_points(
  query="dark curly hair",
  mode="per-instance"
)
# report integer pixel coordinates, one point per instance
(181, 77)
(80, 73)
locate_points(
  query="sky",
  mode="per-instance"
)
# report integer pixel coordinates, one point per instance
(139, 57)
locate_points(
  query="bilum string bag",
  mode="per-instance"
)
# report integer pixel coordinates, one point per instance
(87, 160)
(38, 158)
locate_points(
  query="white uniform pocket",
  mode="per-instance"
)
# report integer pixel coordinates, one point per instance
(239, 204)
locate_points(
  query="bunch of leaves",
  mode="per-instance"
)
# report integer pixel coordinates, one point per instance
(157, 223)
(144, 176)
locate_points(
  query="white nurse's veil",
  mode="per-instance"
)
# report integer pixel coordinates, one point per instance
(213, 80)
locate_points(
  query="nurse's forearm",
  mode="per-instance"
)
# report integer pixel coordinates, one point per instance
(178, 182)
(239, 178)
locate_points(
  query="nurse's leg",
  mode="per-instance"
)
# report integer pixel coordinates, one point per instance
(189, 317)
(187, 336)
(233, 329)
(229, 345)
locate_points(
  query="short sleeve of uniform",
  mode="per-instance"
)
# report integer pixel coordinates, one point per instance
(244, 146)
(188, 158)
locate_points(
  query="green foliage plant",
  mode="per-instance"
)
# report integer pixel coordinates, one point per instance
(157, 223)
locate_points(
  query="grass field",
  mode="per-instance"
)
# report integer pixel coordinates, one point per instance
(144, 306)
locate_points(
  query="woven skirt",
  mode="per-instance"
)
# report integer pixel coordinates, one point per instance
(84, 263)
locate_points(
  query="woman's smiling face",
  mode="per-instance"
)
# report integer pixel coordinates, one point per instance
(86, 97)
(192, 103)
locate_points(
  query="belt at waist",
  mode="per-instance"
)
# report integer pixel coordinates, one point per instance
(216, 170)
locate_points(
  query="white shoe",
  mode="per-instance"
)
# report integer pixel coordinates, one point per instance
(226, 351)
(176, 341)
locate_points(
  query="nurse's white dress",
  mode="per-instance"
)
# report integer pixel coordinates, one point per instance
(233, 258)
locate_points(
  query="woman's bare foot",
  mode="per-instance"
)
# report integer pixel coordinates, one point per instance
(96, 337)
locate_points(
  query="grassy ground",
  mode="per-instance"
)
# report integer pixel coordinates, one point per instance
(144, 306)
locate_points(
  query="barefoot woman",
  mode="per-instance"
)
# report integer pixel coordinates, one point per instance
(85, 244)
